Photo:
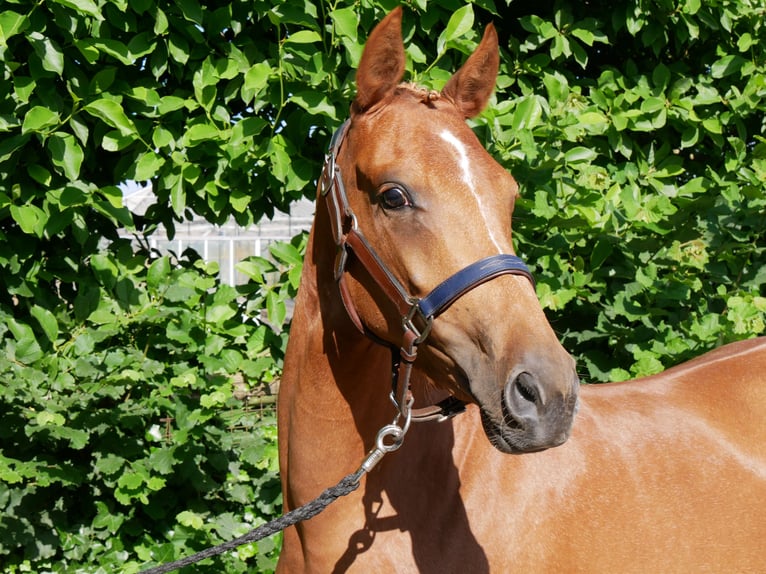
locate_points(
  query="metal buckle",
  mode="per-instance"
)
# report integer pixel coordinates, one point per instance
(450, 407)
(328, 173)
(409, 325)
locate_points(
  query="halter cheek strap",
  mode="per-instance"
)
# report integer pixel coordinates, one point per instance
(417, 314)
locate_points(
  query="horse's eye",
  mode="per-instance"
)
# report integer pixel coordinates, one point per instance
(394, 198)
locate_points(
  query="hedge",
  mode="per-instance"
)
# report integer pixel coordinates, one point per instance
(129, 434)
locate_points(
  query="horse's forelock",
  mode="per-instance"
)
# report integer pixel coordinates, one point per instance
(425, 95)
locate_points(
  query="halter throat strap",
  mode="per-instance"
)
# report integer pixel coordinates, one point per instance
(417, 314)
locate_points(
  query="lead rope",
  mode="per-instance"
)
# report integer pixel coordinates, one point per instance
(389, 439)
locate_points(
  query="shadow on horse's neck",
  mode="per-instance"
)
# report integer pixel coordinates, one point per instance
(399, 498)
(398, 493)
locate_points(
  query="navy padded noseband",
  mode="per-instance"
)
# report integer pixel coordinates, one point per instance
(452, 288)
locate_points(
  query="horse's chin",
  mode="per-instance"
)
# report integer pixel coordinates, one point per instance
(510, 437)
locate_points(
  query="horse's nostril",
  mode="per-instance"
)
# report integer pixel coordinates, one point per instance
(523, 398)
(526, 388)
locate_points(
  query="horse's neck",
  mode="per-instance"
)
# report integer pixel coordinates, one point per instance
(334, 392)
(334, 396)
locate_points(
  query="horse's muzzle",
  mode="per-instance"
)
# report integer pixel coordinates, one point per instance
(532, 418)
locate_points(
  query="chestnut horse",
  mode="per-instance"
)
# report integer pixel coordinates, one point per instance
(664, 474)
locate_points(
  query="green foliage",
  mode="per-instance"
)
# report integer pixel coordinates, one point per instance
(637, 134)
(636, 131)
(123, 440)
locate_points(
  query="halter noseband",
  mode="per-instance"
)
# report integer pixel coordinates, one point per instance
(417, 314)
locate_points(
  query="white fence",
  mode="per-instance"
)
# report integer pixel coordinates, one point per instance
(227, 244)
(227, 251)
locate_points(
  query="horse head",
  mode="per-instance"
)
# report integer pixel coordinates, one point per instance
(430, 202)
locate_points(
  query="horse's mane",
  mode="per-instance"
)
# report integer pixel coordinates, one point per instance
(425, 95)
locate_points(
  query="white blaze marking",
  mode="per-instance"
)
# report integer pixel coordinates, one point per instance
(467, 177)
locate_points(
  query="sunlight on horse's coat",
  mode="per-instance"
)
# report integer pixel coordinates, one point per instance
(662, 474)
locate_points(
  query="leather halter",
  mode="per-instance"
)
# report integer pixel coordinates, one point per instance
(417, 314)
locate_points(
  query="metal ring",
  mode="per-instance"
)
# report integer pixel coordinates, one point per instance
(393, 431)
(409, 325)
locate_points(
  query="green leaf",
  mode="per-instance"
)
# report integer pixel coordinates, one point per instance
(87, 7)
(104, 269)
(713, 125)
(48, 51)
(586, 36)
(652, 105)
(178, 48)
(315, 103)
(141, 45)
(39, 174)
(346, 22)
(191, 10)
(661, 76)
(148, 165)
(191, 519)
(11, 23)
(600, 253)
(163, 459)
(246, 128)
(213, 400)
(47, 321)
(67, 154)
(9, 145)
(240, 200)
(592, 119)
(26, 350)
(102, 80)
(131, 480)
(256, 79)
(199, 133)
(114, 48)
(692, 6)
(275, 309)
(726, 66)
(219, 313)
(80, 129)
(45, 418)
(77, 438)
(111, 112)
(557, 87)
(160, 22)
(158, 271)
(280, 160)
(177, 196)
(255, 268)
(286, 253)
(30, 218)
(162, 138)
(113, 195)
(106, 520)
(114, 140)
(460, 23)
(579, 154)
(745, 42)
(38, 119)
(172, 103)
(303, 37)
(73, 196)
(527, 114)
(156, 483)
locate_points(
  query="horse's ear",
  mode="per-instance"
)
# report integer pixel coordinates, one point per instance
(471, 86)
(382, 65)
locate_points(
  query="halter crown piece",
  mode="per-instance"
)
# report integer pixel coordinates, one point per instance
(417, 314)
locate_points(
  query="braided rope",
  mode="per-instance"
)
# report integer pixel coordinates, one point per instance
(389, 439)
(346, 486)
